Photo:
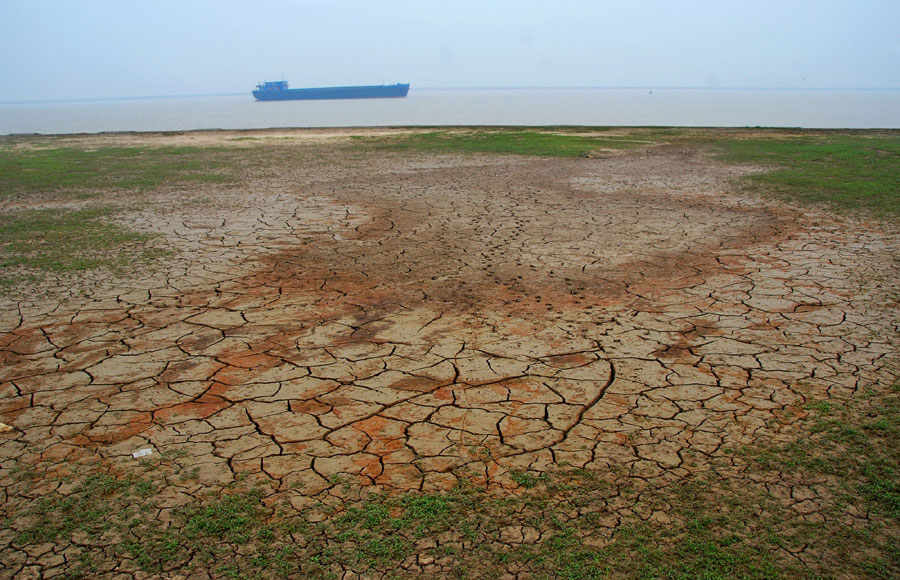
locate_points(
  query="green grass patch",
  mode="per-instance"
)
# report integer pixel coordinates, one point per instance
(549, 530)
(88, 509)
(79, 172)
(857, 442)
(513, 142)
(525, 479)
(233, 517)
(844, 171)
(58, 240)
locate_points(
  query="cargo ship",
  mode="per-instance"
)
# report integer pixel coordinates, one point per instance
(279, 91)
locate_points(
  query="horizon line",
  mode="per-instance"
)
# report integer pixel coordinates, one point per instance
(467, 88)
(652, 87)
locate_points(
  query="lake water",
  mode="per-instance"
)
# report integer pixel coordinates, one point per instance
(598, 107)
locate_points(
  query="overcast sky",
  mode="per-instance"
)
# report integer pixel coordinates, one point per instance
(57, 49)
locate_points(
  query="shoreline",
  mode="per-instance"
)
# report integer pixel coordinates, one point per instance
(314, 134)
(636, 108)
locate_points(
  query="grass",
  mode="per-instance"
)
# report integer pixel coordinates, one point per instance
(525, 479)
(852, 451)
(40, 242)
(231, 518)
(856, 442)
(504, 141)
(844, 171)
(555, 526)
(235, 534)
(847, 171)
(87, 509)
(73, 172)
(56, 240)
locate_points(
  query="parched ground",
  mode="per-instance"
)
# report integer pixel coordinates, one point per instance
(403, 322)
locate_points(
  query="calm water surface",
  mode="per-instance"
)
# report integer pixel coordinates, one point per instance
(670, 107)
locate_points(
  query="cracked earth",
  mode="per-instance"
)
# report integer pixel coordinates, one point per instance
(407, 321)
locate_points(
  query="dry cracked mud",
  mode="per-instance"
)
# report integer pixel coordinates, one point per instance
(407, 321)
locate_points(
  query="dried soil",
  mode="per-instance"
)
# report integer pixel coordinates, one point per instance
(408, 320)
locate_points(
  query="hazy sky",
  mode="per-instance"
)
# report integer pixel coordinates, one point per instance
(55, 49)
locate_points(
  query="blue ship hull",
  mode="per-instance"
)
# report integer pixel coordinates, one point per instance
(278, 91)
